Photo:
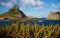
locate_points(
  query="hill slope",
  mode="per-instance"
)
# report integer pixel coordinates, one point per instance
(13, 13)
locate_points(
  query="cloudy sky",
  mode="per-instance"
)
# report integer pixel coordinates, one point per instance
(36, 8)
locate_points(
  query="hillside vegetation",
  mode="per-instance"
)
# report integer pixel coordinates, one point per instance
(13, 14)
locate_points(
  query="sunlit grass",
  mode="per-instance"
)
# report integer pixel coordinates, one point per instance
(30, 31)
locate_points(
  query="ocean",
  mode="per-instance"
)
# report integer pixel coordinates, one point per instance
(40, 22)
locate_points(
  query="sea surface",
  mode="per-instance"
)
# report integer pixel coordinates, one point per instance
(41, 21)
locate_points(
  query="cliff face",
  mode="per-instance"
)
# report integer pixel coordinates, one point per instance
(54, 16)
(13, 13)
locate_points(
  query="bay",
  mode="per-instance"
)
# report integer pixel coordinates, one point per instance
(40, 22)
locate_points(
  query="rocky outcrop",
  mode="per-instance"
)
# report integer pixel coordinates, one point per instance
(13, 13)
(54, 16)
(30, 16)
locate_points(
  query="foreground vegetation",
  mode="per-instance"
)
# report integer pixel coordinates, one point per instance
(30, 31)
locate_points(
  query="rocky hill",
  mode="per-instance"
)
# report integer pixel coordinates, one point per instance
(13, 13)
(54, 16)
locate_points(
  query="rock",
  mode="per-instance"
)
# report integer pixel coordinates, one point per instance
(30, 16)
(13, 13)
(54, 16)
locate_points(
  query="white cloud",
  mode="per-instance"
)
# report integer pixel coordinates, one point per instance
(39, 8)
(28, 2)
(8, 4)
(39, 3)
(32, 2)
(54, 6)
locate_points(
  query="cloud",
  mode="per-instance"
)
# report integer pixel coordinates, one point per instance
(54, 6)
(32, 2)
(8, 4)
(28, 2)
(39, 3)
(39, 8)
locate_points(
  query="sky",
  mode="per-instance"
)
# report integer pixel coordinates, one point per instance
(35, 8)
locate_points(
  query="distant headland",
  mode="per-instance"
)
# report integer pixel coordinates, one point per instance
(54, 16)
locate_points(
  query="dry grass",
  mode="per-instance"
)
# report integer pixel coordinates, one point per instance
(30, 31)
